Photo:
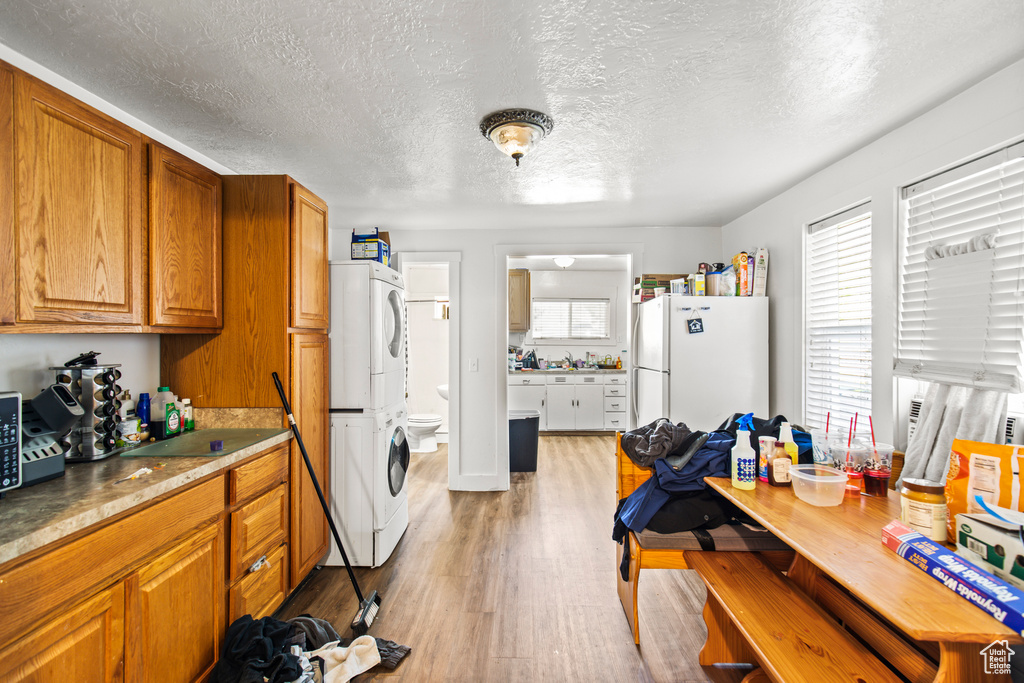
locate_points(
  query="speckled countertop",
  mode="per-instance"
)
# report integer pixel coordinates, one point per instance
(35, 516)
(566, 372)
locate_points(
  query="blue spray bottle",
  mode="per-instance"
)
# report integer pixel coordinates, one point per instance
(744, 459)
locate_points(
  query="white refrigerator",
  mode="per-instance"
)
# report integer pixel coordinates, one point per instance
(699, 359)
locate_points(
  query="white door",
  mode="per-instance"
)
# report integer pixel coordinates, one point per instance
(652, 337)
(561, 408)
(652, 398)
(589, 406)
(529, 397)
(724, 369)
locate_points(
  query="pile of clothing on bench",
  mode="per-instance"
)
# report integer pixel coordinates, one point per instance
(676, 498)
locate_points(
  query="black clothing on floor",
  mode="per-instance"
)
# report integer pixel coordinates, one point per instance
(257, 651)
(318, 632)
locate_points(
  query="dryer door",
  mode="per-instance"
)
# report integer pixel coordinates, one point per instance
(394, 330)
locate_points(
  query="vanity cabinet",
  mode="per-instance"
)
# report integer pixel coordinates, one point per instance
(575, 402)
(518, 300)
(528, 393)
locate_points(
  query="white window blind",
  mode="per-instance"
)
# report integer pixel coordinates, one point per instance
(837, 304)
(570, 319)
(961, 314)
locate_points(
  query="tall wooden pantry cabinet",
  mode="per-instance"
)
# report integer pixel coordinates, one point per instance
(275, 320)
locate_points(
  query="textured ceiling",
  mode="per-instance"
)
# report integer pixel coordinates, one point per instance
(666, 112)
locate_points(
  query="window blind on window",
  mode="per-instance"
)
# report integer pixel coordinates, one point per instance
(961, 312)
(570, 319)
(837, 303)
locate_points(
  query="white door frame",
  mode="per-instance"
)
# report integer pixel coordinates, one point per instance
(502, 253)
(453, 259)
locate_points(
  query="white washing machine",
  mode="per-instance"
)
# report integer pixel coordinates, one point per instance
(367, 336)
(369, 501)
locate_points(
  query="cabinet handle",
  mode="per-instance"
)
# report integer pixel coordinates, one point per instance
(259, 564)
(542, 403)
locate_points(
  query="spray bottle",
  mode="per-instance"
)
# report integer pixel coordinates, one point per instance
(744, 459)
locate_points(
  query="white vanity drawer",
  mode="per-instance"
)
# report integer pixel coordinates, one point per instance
(614, 389)
(520, 380)
(614, 405)
(616, 421)
(615, 379)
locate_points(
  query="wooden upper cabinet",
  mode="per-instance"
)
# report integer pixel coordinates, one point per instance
(184, 241)
(518, 300)
(8, 255)
(79, 217)
(309, 260)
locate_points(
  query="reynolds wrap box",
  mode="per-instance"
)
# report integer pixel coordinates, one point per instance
(972, 583)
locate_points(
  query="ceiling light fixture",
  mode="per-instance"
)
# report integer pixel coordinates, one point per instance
(516, 131)
(564, 262)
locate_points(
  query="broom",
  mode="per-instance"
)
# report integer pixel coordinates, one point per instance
(368, 607)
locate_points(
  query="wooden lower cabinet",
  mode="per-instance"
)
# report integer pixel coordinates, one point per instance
(309, 536)
(84, 643)
(174, 623)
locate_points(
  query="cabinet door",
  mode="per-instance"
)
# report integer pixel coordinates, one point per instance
(589, 406)
(518, 300)
(79, 213)
(529, 397)
(309, 530)
(561, 407)
(309, 260)
(175, 611)
(184, 241)
(85, 643)
(8, 251)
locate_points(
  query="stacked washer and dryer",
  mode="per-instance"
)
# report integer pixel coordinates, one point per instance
(369, 418)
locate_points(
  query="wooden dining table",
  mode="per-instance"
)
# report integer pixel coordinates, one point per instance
(925, 630)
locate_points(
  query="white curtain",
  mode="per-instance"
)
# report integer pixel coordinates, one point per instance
(947, 413)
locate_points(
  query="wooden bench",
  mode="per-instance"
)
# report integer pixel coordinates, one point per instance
(649, 550)
(791, 637)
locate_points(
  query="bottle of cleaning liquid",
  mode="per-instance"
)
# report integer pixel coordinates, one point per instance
(165, 419)
(744, 459)
(188, 422)
(142, 410)
(786, 437)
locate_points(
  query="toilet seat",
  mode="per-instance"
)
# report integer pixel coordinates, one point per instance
(424, 418)
(422, 432)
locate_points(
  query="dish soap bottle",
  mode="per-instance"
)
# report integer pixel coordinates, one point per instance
(744, 458)
(779, 463)
(786, 437)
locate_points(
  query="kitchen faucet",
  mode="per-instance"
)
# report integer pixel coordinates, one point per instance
(568, 358)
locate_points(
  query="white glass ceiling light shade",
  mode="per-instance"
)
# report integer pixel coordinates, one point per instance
(564, 261)
(516, 131)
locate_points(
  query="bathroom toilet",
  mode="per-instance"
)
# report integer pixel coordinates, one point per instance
(423, 432)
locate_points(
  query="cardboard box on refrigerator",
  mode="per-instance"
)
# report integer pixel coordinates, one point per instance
(759, 280)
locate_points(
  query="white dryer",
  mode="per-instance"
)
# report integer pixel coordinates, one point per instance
(367, 336)
(369, 500)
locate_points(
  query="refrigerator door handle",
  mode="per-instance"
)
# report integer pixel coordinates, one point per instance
(633, 398)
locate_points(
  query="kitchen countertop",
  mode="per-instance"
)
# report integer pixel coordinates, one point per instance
(35, 516)
(560, 371)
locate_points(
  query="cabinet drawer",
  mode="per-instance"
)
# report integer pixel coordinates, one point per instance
(615, 390)
(519, 380)
(262, 591)
(257, 527)
(614, 405)
(259, 475)
(615, 421)
(615, 379)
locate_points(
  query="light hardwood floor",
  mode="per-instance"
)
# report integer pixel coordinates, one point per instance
(519, 585)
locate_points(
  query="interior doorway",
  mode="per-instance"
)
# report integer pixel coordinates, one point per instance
(432, 326)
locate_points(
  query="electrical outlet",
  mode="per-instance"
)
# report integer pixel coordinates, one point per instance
(474, 365)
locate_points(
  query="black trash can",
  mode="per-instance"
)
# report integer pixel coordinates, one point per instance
(523, 431)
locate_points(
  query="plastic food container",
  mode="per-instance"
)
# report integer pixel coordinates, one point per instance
(818, 485)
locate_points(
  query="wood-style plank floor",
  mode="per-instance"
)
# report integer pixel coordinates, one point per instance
(518, 585)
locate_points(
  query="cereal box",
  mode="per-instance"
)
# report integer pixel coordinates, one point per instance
(989, 470)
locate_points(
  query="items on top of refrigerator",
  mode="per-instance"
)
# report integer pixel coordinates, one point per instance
(745, 275)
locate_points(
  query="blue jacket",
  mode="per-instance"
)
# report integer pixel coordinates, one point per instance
(712, 460)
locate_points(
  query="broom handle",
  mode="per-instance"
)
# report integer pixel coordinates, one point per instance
(316, 485)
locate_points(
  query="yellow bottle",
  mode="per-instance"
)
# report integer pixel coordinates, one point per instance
(786, 437)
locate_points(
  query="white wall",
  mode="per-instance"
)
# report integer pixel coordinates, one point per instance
(979, 119)
(428, 340)
(27, 358)
(483, 460)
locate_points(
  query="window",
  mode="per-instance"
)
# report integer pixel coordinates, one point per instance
(961, 311)
(837, 305)
(571, 319)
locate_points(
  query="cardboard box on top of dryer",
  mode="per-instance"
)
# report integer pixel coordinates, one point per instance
(372, 246)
